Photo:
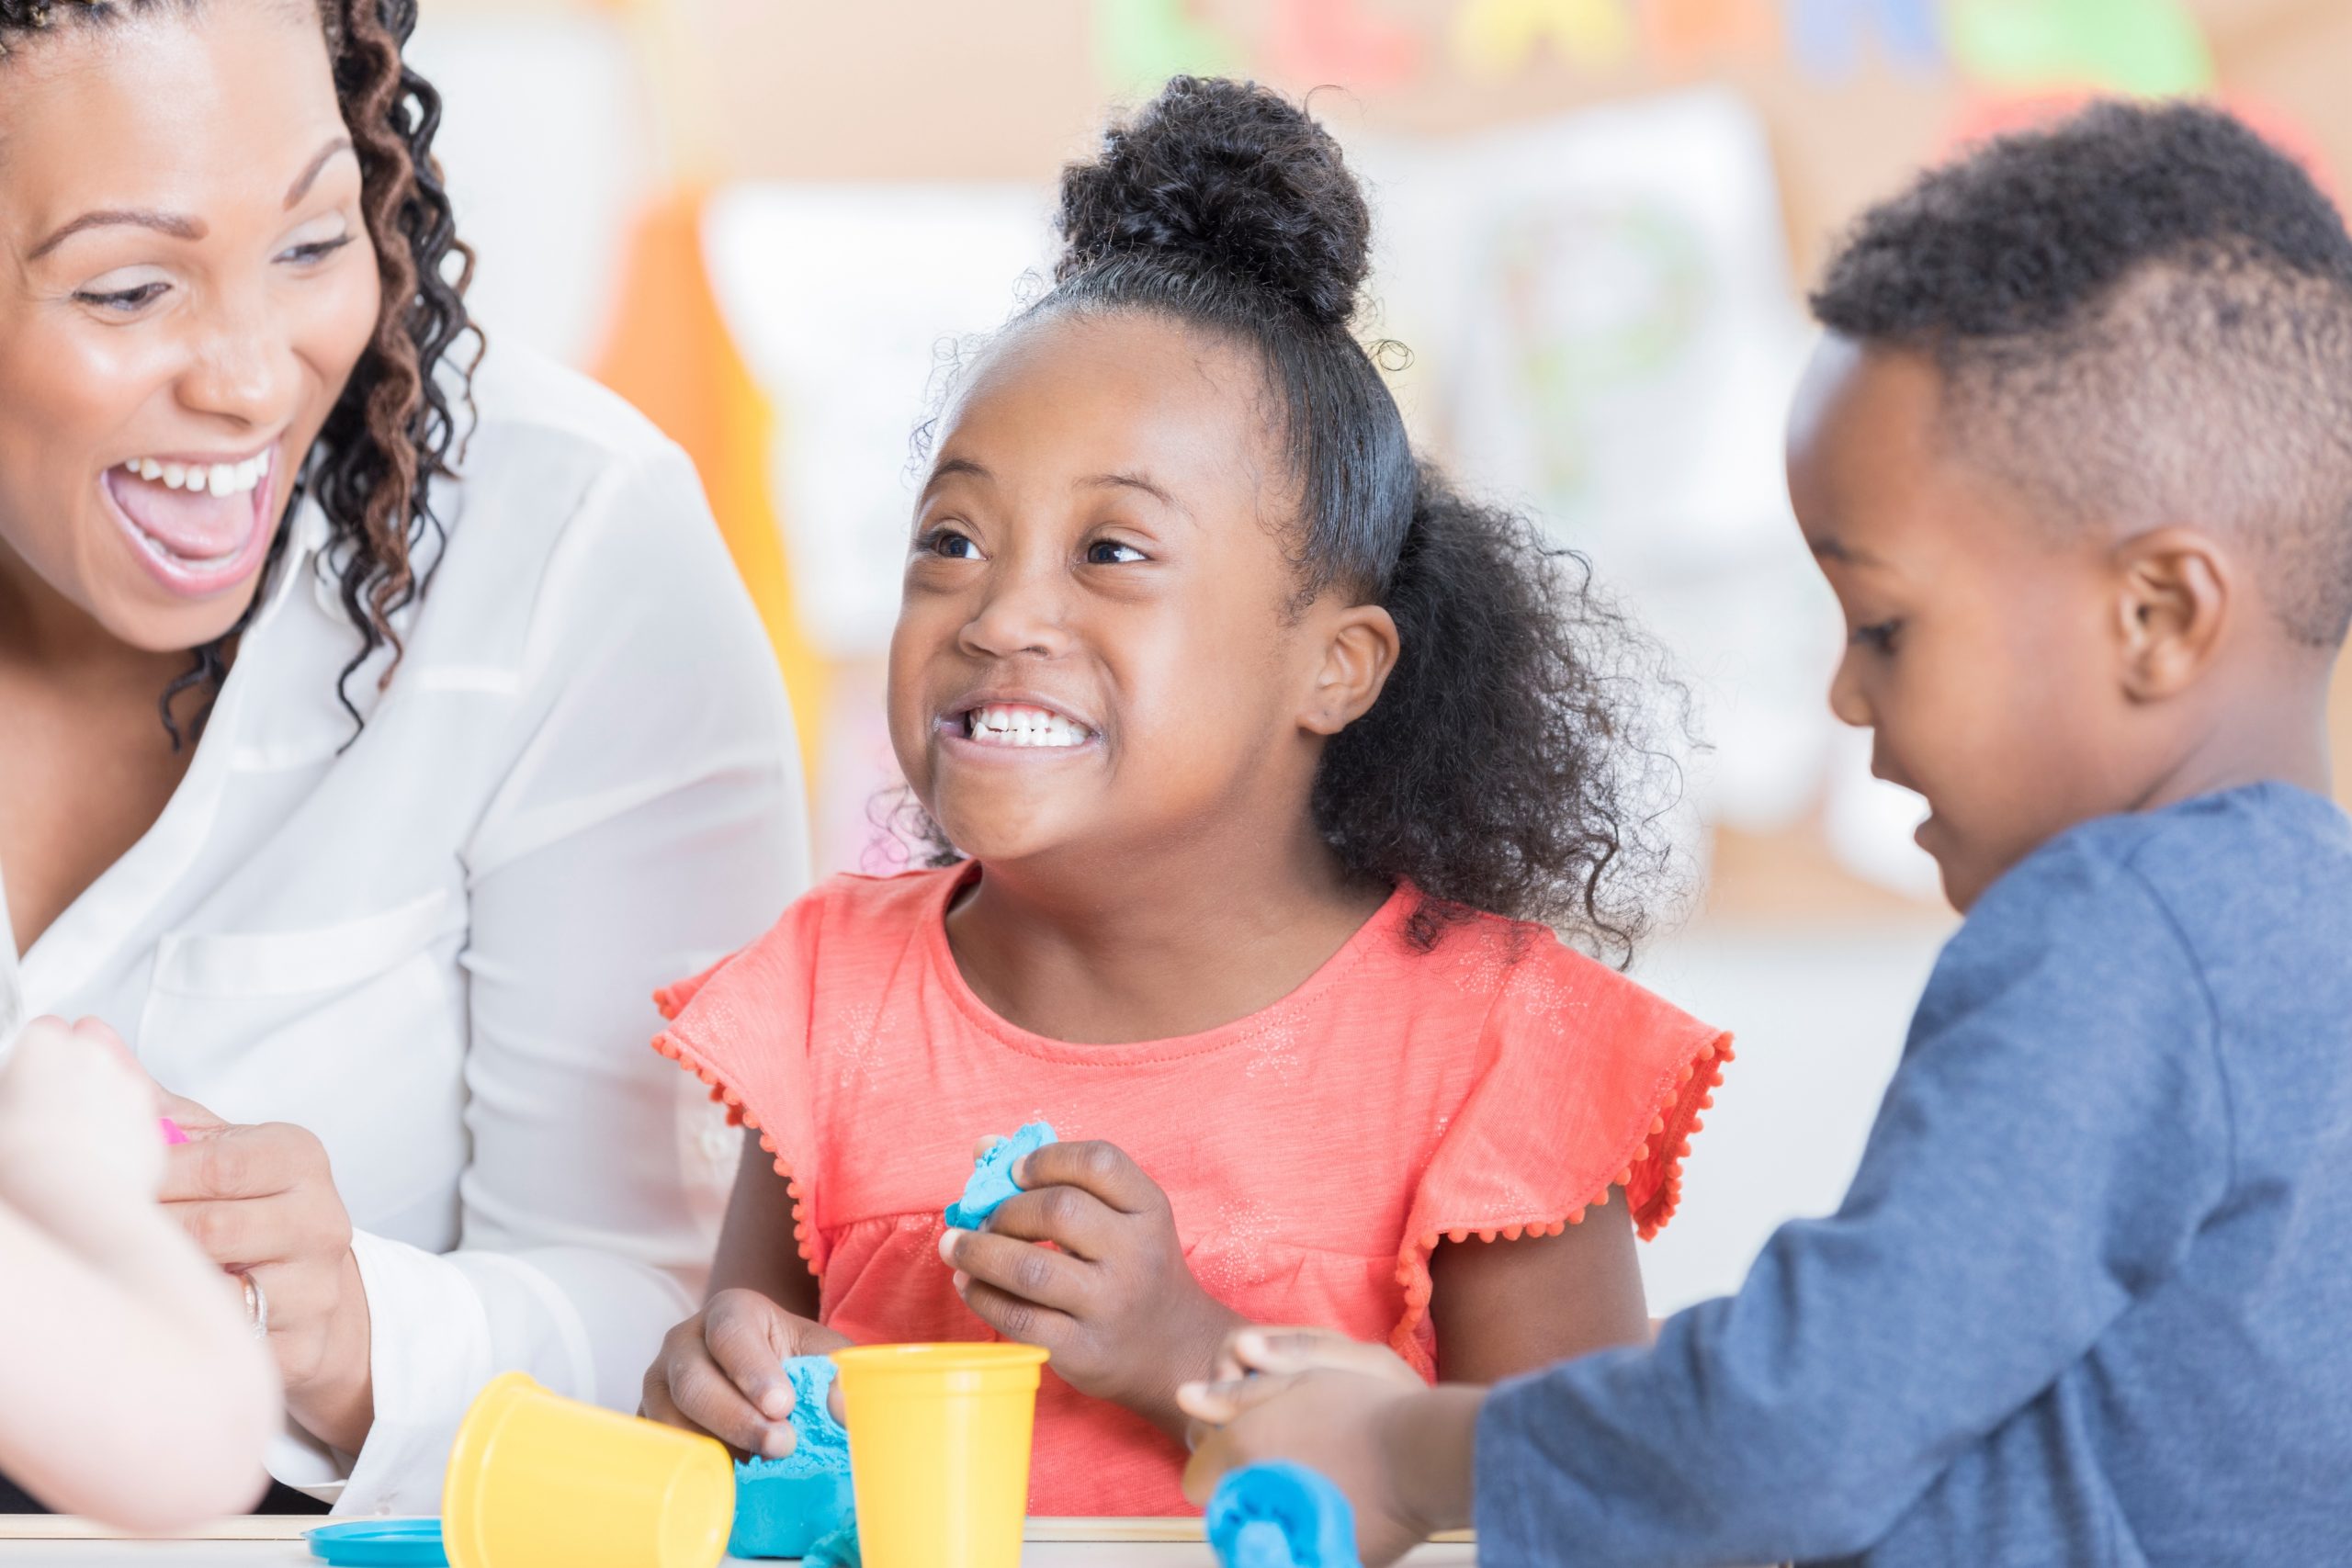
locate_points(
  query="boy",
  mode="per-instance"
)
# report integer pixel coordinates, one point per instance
(2077, 457)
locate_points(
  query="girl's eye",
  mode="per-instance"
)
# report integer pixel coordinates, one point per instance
(947, 544)
(1879, 638)
(315, 251)
(1109, 552)
(125, 300)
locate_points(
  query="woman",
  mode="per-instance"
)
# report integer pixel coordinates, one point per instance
(371, 742)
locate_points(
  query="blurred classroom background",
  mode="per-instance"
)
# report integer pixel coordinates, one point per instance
(770, 222)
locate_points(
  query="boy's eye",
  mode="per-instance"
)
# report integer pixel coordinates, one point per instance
(1109, 552)
(1879, 637)
(947, 544)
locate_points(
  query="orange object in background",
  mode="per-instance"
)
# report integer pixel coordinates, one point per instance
(670, 353)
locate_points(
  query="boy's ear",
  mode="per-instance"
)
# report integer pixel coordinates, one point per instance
(1360, 646)
(2175, 588)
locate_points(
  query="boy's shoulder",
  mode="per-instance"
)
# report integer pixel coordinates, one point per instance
(2254, 883)
(2202, 859)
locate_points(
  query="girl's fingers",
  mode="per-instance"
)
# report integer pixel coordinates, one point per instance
(1015, 1318)
(1021, 1268)
(749, 1345)
(705, 1398)
(1091, 1166)
(1077, 1222)
(981, 1150)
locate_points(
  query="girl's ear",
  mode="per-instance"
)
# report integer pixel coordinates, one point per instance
(1360, 648)
(2175, 588)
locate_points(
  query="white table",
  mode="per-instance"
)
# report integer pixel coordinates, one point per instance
(277, 1544)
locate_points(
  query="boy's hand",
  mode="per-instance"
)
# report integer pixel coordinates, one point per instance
(721, 1371)
(1399, 1450)
(1116, 1306)
(79, 1140)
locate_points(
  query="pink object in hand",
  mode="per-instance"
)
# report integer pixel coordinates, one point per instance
(171, 1133)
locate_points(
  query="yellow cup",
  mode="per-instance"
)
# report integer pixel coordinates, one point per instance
(535, 1479)
(939, 1450)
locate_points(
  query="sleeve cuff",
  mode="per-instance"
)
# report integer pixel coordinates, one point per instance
(429, 1353)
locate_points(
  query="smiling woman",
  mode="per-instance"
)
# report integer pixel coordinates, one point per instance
(248, 473)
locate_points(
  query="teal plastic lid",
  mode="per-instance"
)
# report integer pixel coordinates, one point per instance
(381, 1543)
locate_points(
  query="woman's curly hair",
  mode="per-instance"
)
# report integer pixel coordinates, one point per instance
(390, 432)
(1507, 765)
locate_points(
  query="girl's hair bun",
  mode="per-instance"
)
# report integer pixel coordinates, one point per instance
(1226, 177)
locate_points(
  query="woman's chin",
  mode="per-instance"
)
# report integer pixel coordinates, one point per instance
(141, 616)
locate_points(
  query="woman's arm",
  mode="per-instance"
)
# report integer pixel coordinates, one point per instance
(1501, 1308)
(649, 822)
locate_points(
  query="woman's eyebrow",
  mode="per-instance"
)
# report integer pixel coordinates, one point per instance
(177, 226)
(171, 223)
(302, 188)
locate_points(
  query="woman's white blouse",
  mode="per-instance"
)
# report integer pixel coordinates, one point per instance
(433, 941)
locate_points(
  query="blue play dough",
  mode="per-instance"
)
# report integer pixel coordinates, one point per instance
(1281, 1516)
(991, 1181)
(793, 1505)
(838, 1550)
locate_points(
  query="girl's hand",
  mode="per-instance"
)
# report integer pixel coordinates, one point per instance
(1116, 1306)
(721, 1371)
(1399, 1450)
(261, 1200)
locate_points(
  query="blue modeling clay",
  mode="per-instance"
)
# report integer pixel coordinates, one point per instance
(789, 1506)
(838, 1550)
(1281, 1516)
(991, 1181)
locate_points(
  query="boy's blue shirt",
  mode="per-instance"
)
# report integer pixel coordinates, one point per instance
(2090, 1299)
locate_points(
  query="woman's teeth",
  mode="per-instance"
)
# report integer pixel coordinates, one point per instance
(1013, 724)
(218, 479)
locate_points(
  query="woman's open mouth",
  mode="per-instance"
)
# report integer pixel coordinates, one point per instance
(199, 527)
(1018, 726)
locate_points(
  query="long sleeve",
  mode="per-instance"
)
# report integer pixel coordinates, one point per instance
(651, 822)
(2058, 1130)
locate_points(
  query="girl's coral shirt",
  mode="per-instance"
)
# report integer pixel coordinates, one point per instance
(1315, 1153)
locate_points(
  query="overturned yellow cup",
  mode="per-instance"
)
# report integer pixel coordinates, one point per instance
(939, 1450)
(535, 1479)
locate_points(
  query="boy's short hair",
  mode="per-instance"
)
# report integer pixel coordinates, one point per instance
(2142, 316)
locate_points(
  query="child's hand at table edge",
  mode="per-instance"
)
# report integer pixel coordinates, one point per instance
(1116, 1306)
(1400, 1449)
(721, 1371)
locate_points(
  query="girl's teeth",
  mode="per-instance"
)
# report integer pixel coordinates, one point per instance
(1009, 726)
(175, 474)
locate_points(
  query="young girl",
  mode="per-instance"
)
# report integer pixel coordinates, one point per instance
(132, 1388)
(1265, 759)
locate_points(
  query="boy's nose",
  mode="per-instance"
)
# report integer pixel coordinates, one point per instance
(1845, 697)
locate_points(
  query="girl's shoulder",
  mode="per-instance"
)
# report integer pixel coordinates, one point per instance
(845, 915)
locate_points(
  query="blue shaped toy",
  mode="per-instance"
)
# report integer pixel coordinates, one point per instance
(991, 1181)
(794, 1505)
(1281, 1516)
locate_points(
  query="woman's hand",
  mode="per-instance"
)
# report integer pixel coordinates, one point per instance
(1400, 1449)
(1116, 1306)
(721, 1371)
(261, 1200)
